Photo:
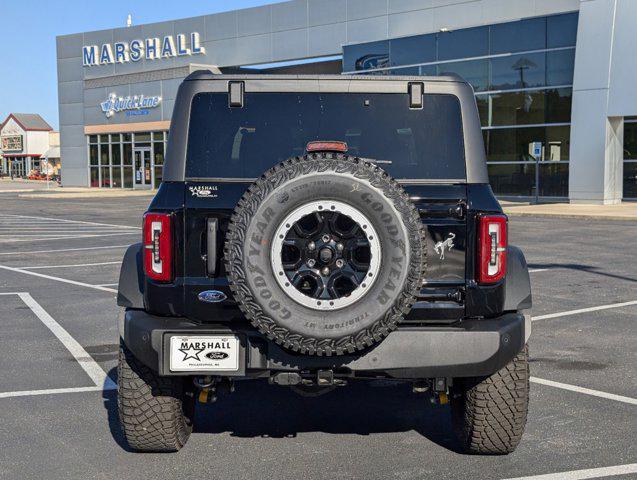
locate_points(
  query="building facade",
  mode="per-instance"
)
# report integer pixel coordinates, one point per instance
(26, 140)
(552, 79)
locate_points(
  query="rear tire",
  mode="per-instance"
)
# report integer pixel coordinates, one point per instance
(489, 414)
(154, 413)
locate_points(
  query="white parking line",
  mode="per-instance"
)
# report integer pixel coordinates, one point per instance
(107, 247)
(586, 391)
(53, 391)
(67, 238)
(585, 474)
(537, 270)
(11, 216)
(67, 266)
(90, 366)
(584, 310)
(58, 279)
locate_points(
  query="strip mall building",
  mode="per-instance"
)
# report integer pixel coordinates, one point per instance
(554, 81)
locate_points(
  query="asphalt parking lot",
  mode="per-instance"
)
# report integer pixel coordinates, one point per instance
(59, 265)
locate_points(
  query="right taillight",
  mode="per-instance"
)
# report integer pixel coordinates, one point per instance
(492, 248)
(158, 246)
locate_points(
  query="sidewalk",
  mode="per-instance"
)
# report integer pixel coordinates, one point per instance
(76, 192)
(624, 211)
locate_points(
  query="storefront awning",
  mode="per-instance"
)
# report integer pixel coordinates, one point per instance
(53, 152)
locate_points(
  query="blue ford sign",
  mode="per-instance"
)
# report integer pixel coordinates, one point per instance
(212, 296)
(150, 48)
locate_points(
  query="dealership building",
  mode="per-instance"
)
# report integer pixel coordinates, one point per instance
(553, 80)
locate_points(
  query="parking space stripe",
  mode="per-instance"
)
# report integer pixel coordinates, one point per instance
(67, 237)
(586, 391)
(107, 247)
(58, 279)
(584, 310)
(67, 266)
(54, 391)
(585, 474)
(537, 270)
(11, 216)
(90, 366)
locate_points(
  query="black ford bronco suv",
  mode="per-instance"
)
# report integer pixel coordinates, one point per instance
(316, 231)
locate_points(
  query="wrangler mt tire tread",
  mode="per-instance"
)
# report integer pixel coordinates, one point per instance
(151, 408)
(490, 415)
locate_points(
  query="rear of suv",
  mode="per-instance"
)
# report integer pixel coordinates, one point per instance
(316, 231)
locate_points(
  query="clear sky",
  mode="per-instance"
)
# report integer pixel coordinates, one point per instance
(28, 71)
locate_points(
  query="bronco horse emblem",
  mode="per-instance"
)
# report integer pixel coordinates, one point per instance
(444, 244)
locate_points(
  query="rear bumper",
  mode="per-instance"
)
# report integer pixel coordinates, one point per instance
(476, 348)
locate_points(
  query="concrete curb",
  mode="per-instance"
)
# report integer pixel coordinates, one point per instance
(567, 215)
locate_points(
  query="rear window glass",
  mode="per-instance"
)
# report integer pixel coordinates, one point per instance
(244, 142)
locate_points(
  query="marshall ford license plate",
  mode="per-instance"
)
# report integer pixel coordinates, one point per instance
(204, 353)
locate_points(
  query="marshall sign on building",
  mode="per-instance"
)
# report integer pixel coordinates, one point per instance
(553, 121)
(150, 48)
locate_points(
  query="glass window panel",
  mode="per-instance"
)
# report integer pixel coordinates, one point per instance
(126, 137)
(128, 177)
(560, 66)
(103, 138)
(468, 42)
(518, 71)
(558, 105)
(366, 56)
(630, 141)
(411, 50)
(630, 180)
(158, 136)
(558, 144)
(104, 156)
(117, 177)
(128, 154)
(518, 108)
(409, 71)
(483, 109)
(116, 153)
(562, 30)
(95, 178)
(92, 138)
(513, 144)
(159, 153)
(142, 137)
(518, 36)
(158, 175)
(428, 70)
(514, 180)
(106, 177)
(476, 72)
(421, 142)
(115, 137)
(554, 180)
(92, 155)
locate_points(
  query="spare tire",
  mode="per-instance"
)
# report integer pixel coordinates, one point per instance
(325, 254)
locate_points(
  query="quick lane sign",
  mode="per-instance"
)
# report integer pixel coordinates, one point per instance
(150, 48)
(132, 105)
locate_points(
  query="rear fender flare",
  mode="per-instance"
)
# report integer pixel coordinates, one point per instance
(130, 291)
(518, 297)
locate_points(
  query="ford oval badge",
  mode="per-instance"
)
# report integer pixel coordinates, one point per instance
(212, 296)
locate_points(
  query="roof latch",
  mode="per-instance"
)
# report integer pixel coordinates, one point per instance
(416, 94)
(236, 92)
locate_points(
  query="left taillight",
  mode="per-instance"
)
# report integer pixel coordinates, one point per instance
(158, 246)
(492, 248)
